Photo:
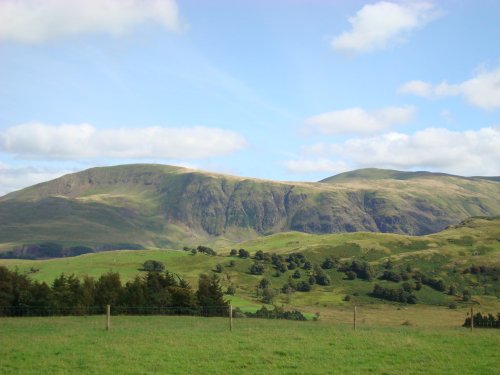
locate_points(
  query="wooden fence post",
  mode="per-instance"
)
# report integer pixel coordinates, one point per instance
(471, 318)
(354, 320)
(108, 317)
(231, 318)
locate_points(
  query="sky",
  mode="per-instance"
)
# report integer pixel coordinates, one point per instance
(284, 90)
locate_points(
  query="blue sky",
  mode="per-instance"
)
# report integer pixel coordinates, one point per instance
(283, 90)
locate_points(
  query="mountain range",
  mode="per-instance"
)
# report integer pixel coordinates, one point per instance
(150, 205)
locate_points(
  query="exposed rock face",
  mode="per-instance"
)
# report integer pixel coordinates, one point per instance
(143, 203)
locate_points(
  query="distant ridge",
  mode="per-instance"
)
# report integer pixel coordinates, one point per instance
(160, 205)
(379, 174)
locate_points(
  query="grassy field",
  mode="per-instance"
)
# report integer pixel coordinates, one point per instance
(190, 345)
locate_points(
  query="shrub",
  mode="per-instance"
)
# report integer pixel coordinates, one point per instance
(153, 266)
(218, 268)
(303, 286)
(256, 269)
(242, 253)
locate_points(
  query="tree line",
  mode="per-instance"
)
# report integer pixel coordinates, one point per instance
(150, 293)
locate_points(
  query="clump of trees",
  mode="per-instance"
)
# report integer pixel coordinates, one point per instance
(321, 277)
(153, 292)
(153, 266)
(362, 269)
(491, 271)
(403, 295)
(201, 249)
(436, 284)
(483, 321)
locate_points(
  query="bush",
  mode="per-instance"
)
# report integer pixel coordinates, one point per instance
(350, 275)
(277, 313)
(242, 253)
(153, 266)
(218, 268)
(303, 286)
(327, 264)
(321, 277)
(256, 269)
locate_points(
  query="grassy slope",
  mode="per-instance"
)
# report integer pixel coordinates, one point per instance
(162, 206)
(442, 255)
(186, 345)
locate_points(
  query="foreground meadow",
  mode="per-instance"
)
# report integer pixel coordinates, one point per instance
(192, 345)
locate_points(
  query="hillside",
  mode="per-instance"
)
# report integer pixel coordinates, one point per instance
(465, 257)
(130, 206)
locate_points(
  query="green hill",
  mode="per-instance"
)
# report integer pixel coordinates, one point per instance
(465, 257)
(132, 206)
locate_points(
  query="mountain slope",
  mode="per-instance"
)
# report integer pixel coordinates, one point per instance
(157, 205)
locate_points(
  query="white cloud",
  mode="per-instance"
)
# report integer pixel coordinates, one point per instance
(357, 120)
(482, 91)
(376, 26)
(36, 21)
(15, 178)
(69, 142)
(316, 166)
(466, 153)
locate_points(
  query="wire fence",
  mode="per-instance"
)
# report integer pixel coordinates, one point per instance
(34, 311)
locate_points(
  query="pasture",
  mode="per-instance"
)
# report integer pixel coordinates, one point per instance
(194, 345)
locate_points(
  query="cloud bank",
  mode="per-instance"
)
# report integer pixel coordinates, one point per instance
(377, 26)
(460, 152)
(482, 91)
(357, 120)
(83, 141)
(37, 21)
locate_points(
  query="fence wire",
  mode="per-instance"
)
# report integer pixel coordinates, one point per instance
(34, 311)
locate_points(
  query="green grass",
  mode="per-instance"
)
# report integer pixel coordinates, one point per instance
(189, 345)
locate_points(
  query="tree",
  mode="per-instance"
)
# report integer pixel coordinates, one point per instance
(210, 296)
(108, 289)
(233, 252)
(268, 295)
(259, 255)
(296, 274)
(257, 269)
(242, 253)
